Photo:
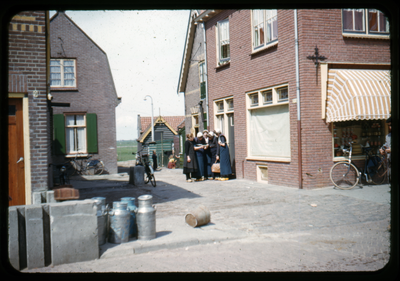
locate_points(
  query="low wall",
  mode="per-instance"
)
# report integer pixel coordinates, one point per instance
(52, 233)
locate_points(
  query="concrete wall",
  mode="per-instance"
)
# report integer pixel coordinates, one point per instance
(276, 65)
(52, 233)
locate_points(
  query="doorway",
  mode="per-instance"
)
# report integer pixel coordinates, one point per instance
(16, 165)
(231, 139)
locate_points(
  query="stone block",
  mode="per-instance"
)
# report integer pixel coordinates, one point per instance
(13, 237)
(36, 197)
(138, 175)
(22, 236)
(50, 197)
(34, 236)
(73, 232)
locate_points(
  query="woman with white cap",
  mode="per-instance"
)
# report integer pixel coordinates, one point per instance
(200, 144)
(223, 156)
(212, 142)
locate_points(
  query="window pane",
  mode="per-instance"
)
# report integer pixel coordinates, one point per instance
(348, 19)
(270, 132)
(254, 99)
(81, 139)
(373, 20)
(80, 120)
(359, 19)
(70, 120)
(54, 62)
(68, 63)
(267, 96)
(283, 94)
(70, 139)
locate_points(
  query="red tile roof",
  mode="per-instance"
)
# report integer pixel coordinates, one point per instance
(173, 121)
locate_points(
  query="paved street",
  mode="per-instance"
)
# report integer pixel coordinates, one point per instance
(254, 227)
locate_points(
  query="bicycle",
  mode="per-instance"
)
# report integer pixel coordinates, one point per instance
(84, 167)
(346, 175)
(143, 160)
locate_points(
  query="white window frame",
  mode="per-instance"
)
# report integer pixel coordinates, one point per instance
(62, 73)
(262, 41)
(224, 114)
(365, 32)
(73, 152)
(219, 40)
(250, 106)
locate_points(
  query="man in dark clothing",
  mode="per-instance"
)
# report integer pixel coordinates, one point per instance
(154, 156)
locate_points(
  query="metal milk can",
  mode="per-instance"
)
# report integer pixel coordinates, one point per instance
(133, 209)
(119, 218)
(146, 218)
(102, 219)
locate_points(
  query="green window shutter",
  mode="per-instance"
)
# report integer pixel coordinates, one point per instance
(91, 132)
(202, 90)
(59, 134)
(205, 119)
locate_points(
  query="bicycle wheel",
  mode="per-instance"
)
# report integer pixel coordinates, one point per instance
(344, 175)
(152, 180)
(70, 168)
(378, 172)
(98, 168)
(146, 178)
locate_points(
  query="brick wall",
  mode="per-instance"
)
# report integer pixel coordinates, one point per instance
(276, 65)
(192, 89)
(27, 59)
(95, 92)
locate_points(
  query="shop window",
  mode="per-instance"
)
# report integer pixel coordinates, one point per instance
(366, 133)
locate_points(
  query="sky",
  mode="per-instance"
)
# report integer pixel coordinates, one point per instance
(144, 49)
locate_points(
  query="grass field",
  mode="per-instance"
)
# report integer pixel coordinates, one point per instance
(125, 149)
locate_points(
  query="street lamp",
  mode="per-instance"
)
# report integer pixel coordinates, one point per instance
(152, 119)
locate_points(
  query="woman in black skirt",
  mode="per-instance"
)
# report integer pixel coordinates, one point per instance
(223, 156)
(189, 159)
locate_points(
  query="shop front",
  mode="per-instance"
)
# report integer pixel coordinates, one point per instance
(357, 105)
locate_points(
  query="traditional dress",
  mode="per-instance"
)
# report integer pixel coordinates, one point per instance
(213, 153)
(201, 158)
(191, 167)
(224, 158)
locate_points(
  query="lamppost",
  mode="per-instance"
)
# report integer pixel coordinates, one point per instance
(152, 119)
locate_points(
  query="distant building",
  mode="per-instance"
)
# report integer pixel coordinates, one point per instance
(165, 136)
(82, 84)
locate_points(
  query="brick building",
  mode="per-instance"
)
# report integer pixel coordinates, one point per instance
(287, 134)
(28, 114)
(192, 79)
(82, 85)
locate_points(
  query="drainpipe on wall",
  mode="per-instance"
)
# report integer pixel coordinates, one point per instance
(298, 102)
(206, 74)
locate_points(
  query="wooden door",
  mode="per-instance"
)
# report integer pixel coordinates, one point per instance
(16, 171)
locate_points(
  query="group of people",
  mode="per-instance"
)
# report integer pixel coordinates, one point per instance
(201, 152)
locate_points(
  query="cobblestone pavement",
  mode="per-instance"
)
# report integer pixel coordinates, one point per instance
(286, 229)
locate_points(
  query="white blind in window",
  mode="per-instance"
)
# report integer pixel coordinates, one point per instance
(224, 32)
(270, 132)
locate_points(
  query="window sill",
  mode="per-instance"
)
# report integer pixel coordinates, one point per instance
(345, 158)
(78, 155)
(269, 159)
(64, 89)
(223, 64)
(365, 36)
(264, 48)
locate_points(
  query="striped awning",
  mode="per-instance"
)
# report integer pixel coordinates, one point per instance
(358, 95)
